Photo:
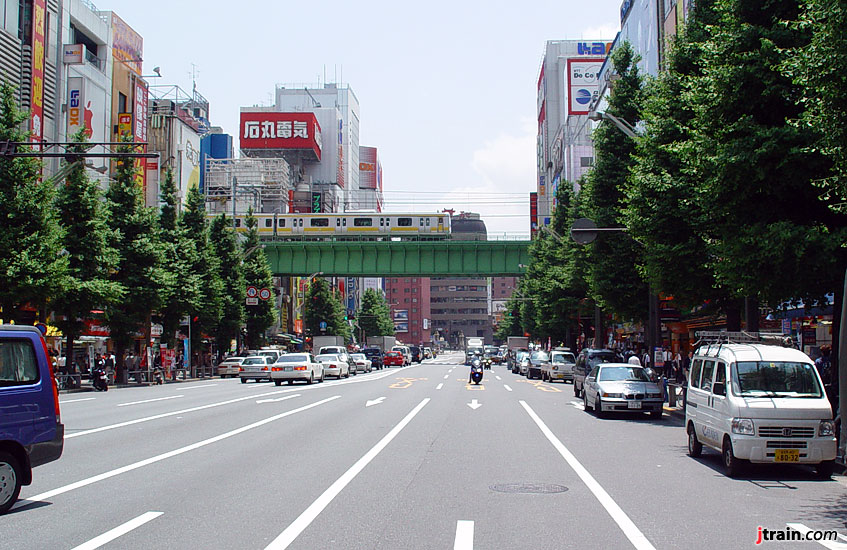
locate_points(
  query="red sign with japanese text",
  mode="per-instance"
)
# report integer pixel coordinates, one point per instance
(269, 130)
(36, 106)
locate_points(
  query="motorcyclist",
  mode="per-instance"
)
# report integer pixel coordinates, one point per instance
(475, 362)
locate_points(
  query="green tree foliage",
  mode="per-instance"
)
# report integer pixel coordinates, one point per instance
(31, 266)
(614, 280)
(86, 240)
(204, 265)
(511, 323)
(231, 274)
(323, 306)
(257, 273)
(374, 315)
(181, 295)
(134, 236)
(770, 235)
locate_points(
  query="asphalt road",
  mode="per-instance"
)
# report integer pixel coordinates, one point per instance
(401, 458)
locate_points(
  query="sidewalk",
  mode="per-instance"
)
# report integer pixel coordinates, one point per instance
(87, 387)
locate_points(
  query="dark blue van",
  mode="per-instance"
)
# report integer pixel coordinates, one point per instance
(31, 430)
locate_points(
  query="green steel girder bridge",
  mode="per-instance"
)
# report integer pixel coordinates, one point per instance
(447, 258)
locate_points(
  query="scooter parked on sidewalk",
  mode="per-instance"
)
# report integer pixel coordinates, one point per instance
(99, 379)
(158, 376)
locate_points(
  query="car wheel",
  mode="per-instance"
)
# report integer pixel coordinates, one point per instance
(575, 390)
(11, 479)
(731, 465)
(598, 407)
(277, 382)
(585, 403)
(311, 378)
(695, 448)
(824, 469)
(290, 382)
(656, 414)
(243, 380)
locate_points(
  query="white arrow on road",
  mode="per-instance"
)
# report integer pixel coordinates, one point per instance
(474, 404)
(277, 399)
(376, 401)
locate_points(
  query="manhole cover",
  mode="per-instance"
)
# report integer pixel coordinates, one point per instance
(530, 488)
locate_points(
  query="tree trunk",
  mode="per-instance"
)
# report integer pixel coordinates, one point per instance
(733, 317)
(751, 313)
(120, 367)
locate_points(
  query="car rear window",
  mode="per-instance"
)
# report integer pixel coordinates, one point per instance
(18, 364)
(292, 358)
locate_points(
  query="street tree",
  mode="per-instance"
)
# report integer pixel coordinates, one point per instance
(323, 306)
(614, 281)
(204, 265)
(231, 274)
(374, 315)
(86, 241)
(257, 273)
(138, 271)
(32, 267)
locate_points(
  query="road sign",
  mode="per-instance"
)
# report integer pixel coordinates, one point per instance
(265, 294)
(322, 325)
(584, 231)
(252, 301)
(252, 291)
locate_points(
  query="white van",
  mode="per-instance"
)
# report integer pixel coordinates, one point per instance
(759, 403)
(407, 354)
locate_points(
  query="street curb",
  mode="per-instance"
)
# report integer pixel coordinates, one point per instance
(674, 412)
(88, 388)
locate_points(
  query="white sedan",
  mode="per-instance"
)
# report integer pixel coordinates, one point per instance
(361, 362)
(297, 366)
(334, 365)
(229, 366)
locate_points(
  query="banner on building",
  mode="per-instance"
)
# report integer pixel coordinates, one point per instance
(269, 130)
(533, 213)
(583, 84)
(368, 168)
(140, 131)
(127, 45)
(73, 54)
(76, 104)
(36, 104)
(124, 124)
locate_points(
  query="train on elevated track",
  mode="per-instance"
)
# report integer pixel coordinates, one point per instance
(350, 225)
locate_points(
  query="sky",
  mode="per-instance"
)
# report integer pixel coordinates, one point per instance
(447, 89)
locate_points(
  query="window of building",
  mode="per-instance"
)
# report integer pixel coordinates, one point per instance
(405, 300)
(414, 300)
(414, 291)
(406, 280)
(586, 162)
(414, 310)
(122, 103)
(414, 279)
(406, 290)
(414, 321)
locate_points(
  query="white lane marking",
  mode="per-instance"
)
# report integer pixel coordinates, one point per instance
(464, 535)
(635, 536)
(181, 450)
(278, 399)
(578, 405)
(227, 402)
(376, 401)
(309, 514)
(150, 400)
(497, 377)
(507, 387)
(474, 404)
(439, 386)
(118, 531)
(77, 400)
(832, 545)
(446, 376)
(201, 386)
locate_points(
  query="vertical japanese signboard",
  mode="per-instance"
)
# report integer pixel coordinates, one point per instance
(533, 214)
(140, 131)
(36, 110)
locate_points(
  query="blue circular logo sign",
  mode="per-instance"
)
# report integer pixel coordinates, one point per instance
(583, 96)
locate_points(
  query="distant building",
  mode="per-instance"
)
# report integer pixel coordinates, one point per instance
(409, 301)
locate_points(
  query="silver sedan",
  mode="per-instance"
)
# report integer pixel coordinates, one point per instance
(255, 367)
(621, 387)
(333, 365)
(361, 362)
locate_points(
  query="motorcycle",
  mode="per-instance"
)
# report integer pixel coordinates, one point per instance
(486, 363)
(158, 377)
(99, 380)
(476, 371)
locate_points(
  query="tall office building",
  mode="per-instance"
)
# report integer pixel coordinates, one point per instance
(409, 301)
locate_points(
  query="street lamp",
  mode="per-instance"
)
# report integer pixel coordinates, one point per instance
(622, 125)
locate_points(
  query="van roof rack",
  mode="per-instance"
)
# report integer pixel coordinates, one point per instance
(707, 337)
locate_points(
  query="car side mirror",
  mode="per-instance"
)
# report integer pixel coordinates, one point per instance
(719, 388)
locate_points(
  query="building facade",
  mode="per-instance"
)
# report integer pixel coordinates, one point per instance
(409, 302)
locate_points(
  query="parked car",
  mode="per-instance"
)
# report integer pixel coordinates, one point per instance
(417, 354)
(229, 367)
(333, 365)
(375, 355)
(360, 362)
(255, 367)
(394, 359)
(338, 350)
(759, 403)
(427, 353)
(560, 366)
(407, 354)
(31, 429)
(621, 387)
(297, 366)
(536, 362)
(588, 359)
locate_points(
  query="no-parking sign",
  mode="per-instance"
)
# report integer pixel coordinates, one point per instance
(252, 291)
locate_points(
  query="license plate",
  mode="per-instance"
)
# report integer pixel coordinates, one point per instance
(287, 368)
(634, 404)
(787, 455)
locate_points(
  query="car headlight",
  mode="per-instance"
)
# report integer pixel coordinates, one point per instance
(613, 395)
(826, 428)
(742, 426)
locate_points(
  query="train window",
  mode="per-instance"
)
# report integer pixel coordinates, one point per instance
(440, 221)
(269, 222)
(344, 222)
(381, 222)
(363, 222)
(237, 222)
(281, 222)
(427, 222)
(319, 222)
(301, 222)
(404, 222)
(421, 221)
(337, 222)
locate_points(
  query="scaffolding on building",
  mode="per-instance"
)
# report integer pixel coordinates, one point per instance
(262, 183)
